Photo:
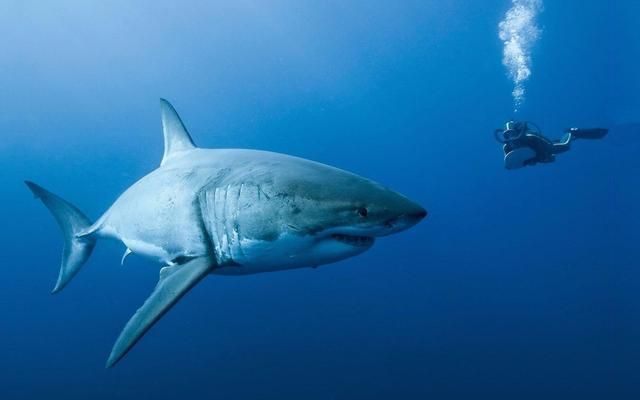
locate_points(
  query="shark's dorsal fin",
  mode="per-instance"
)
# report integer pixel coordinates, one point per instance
(176, 137)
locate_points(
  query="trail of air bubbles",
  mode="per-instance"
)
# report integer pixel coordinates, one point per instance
(519, 32)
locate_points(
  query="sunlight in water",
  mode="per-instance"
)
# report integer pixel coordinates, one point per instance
(518, 32)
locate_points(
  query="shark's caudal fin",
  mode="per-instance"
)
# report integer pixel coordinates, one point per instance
(176, 137)
(76, 249)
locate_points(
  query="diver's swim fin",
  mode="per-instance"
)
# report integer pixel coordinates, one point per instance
(591, 133)
(175, 281)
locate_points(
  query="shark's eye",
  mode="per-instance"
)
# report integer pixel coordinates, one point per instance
(362, 211)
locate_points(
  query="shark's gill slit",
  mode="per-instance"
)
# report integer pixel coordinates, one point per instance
(236, 221)
(230, 222)
(216, 222)
(227, 232)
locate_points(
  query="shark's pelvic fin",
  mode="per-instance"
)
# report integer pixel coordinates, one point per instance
(124, 256)
(176, 137)
(72, 221)
(175, 281)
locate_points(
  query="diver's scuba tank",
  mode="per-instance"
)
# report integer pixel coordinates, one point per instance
(589, 133)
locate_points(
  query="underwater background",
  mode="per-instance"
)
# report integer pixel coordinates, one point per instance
(519, 285)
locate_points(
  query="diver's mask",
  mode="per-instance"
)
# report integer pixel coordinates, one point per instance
(512, 130)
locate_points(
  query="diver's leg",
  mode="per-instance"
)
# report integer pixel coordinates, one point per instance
(564, 144)
(560, 147)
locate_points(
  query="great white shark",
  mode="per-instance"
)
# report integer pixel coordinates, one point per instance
(228, 212)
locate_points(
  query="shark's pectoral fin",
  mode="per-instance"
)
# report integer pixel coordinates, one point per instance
(175, 281)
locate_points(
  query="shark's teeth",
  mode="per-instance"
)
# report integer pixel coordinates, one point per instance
(353, 240)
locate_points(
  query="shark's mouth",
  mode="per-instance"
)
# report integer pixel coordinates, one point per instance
(352, 240)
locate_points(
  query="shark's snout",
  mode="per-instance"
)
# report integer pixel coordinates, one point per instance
(416, 214)
(405, 220)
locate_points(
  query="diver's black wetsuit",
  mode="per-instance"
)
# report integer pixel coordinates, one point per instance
(545, 149)
(518, 135)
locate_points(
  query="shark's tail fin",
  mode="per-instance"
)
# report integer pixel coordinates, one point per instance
(72, 221)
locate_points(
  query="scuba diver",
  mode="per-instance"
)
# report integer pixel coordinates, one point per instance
(524, 144)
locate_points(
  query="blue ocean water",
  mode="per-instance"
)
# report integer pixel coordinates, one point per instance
(520, 284)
